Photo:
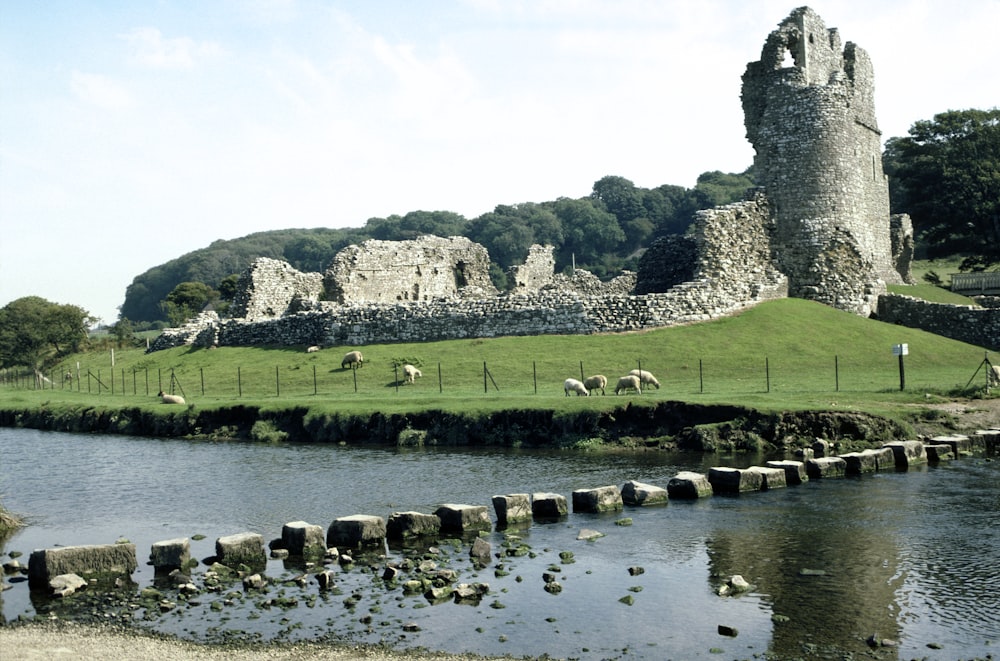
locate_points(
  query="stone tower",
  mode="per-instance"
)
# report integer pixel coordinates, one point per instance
(809, 112)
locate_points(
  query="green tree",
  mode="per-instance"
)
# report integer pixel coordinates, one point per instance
(946, 175)
(186, 300)
(621, 198)
(589, 232)
(228, 287)
(716, 189)
(123, 332)
(509, 231)
(35, 332)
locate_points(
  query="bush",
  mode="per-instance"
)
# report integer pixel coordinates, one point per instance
(264, 431)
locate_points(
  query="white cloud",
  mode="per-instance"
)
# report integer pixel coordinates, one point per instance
(150, 49)
(100, 91)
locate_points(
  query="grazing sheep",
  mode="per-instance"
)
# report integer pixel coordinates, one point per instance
(352, 359)
(630, 382)
(994, 376)
(572, 385)
(170, 399)
(646, 377)
(596, 382)
(411, 373)
(312, 349)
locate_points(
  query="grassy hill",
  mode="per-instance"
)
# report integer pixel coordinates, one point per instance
(787, 354)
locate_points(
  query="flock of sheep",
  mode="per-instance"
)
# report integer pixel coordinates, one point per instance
(633, 381)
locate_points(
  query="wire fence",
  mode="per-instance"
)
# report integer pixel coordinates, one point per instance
(701, 375)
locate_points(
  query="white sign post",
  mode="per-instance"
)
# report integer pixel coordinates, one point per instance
(901, 350)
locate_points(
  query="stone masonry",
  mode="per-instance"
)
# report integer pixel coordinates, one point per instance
(271, 288)
(811, 120)
(420, 270)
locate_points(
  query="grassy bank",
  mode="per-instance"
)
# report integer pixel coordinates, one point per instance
(786, 355)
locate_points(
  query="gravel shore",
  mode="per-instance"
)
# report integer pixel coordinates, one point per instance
(56, 641)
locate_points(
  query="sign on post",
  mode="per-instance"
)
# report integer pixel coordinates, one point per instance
(901, 350)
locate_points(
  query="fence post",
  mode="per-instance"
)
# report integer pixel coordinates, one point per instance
(201, 371)
(239, 380)
(440, 382)
(277, 382)
(534, 375)
(315, 392)
(484, 378)
(582, 378)
(395, 376)
(354, 372)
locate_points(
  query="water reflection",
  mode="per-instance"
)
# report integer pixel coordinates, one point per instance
(908, 556)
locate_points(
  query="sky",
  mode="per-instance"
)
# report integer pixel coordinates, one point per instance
(132, 133)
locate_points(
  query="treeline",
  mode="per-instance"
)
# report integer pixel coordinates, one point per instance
(604, 233)
(945, 174)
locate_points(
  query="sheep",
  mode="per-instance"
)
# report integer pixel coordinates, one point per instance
(352, 359)
(312, 349)
(994, 375)
(646, 377)
(630, 382)
(598, 381)
(170, 399)
(411, 373)
(572, 385)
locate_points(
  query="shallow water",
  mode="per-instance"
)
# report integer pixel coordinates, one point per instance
(910, 556)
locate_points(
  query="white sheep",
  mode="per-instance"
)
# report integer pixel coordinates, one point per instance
(596, 382)
(411, 373)
(994, 375)
(646, 378)
(573, 385)
(170, 399)
(352, 359)
(312, 349)
(630, 382)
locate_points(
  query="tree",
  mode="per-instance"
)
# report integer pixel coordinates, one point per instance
(123, 332)
(35, 332)
(946, 175)
(186, 300)
(589, 232)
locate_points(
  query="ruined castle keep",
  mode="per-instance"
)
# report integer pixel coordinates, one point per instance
(426, 268)
(818, 227)
(809, 112)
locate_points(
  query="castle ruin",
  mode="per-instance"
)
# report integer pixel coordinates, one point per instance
(818, 227)
(809, 112)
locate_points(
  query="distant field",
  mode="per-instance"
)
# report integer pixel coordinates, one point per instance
(786, 354)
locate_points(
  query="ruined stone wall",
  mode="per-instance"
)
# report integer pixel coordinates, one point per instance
(271, 288)
(966, 323)
(536, 272)
(818, 154)
(423, 269)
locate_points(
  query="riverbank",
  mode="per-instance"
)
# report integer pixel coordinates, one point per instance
(55, 641)
(668, 425)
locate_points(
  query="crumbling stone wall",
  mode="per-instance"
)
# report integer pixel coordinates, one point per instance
(729, 251)
(966, 323)
(419, 270)
(271, 288)
(818, 154)
(536, 272)
(901, 238)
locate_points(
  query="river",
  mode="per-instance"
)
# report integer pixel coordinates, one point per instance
(910, 556)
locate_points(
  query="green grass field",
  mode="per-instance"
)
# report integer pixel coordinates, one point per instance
(787, 354)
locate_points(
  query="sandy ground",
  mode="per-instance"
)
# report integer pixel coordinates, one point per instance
(64, 641)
